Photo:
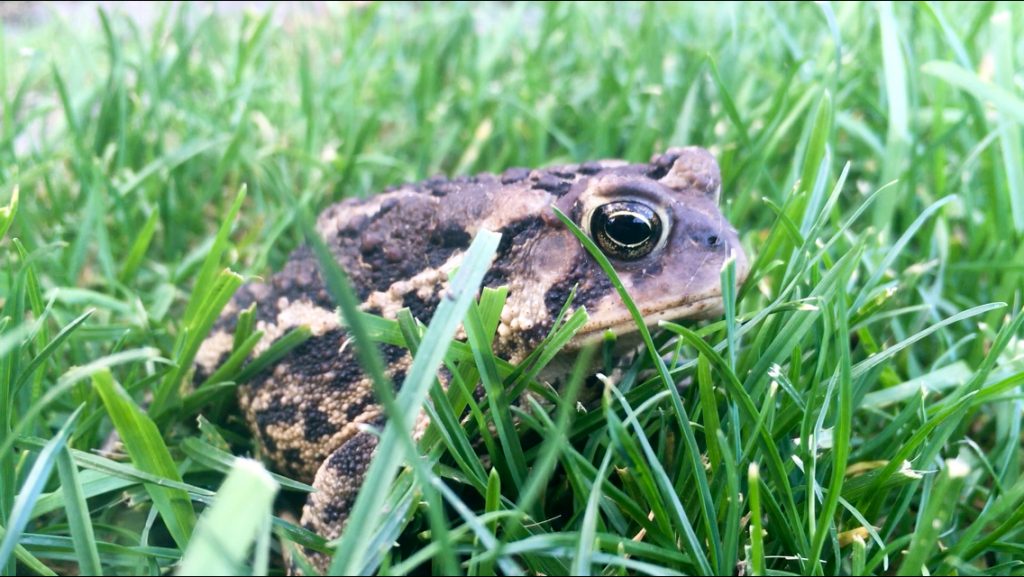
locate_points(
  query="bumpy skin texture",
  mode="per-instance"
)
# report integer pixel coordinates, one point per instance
(398, 249)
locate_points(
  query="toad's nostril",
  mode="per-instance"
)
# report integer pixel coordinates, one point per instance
(712, 240)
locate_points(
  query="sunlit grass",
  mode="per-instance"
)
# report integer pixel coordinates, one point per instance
(858, 408)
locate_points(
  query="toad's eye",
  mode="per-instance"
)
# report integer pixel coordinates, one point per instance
(625, 230)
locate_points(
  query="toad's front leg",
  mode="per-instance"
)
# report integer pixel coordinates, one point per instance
(337, 484)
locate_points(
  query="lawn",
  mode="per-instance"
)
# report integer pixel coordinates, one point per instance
(858, 410)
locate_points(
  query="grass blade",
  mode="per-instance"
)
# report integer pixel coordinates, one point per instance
(1005, 101)
(352, 550)
(898, 137)
(681, 417)
(240, 514)
(212, 261)
(138, 249)
(149, 453)
(584, 559)
(943, 500)
(80, 524)
(1009, 131)
(755, 558)
(32, 488)
(7, 213)
(841, 431)
(49, 349)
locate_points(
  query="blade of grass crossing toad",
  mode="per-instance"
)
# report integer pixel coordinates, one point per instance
(244, 327)
(239, 514)
(340, 289)
(552, 345)
(554, 444)
(77, 509)
(211, 303)
(492, 301)
(442, 414)
(399, 504)
(360, 529)
(681, 417)
(230, 367)
(149, 453)
(276, 351)
(938, 511)
(352, 550)
(32, 488)
(490, 543)
(435, 508)
(496, 396)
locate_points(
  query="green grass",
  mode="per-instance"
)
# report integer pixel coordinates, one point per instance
(857, 410)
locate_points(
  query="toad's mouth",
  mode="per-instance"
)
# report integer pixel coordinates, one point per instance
(702, 308)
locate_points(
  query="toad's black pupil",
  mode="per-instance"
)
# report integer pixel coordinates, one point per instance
(628, 229)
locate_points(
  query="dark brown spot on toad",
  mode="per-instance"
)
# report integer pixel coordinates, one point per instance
(514, 175)
(590, 281)
(421, 308)
(513, 237)
(553, 184)
(316, 424)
